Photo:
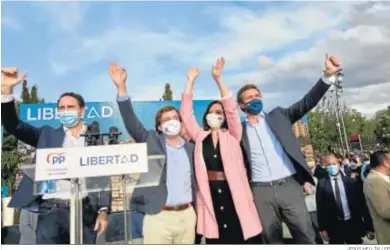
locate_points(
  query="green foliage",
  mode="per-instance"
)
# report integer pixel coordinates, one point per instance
(25, 95)
(167, 96)
(382, 127)
(34, 98)
(34, 95)
(324, 132)
(10, 159)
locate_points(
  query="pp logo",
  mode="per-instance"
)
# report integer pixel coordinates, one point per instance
(55, 158)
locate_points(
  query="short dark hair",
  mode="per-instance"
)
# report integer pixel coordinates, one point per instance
(79, 98)
(159, 114)
(245, 88)
(377, 158)
(204, 120)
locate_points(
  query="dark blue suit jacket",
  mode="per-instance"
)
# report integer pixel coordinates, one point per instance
(42, 137)
(280, 120)
(327, 210)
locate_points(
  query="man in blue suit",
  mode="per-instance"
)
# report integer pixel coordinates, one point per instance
(53, 208)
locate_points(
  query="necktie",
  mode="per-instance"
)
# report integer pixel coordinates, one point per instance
(338, 199)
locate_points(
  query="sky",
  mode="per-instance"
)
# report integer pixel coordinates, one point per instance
(280, 46)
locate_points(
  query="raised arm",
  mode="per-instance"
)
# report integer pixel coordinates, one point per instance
(229, 105)
(133, 126)
(9, 117)
(311, 99)
(186, 107)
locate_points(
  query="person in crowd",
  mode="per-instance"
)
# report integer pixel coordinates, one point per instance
(311, 205)
(340, 159)
(356, 168)
(53, 208)
(341, 206)
(320, 171)
(346, 166)
(170, 217)
(377, 192)
(277, 167)
(226, 211)
(366, 168)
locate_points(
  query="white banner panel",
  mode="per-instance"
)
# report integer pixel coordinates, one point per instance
(79, 162)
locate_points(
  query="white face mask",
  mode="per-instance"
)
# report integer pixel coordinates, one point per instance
(171, 127)
(214, 120)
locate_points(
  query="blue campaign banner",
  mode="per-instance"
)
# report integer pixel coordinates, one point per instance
(106, 113)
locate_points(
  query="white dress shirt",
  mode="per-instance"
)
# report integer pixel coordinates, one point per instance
(343, 194)
(269, 160)
(63, 187)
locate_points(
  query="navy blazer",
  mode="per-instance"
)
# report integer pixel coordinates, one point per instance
(151, 200)
(41, 137)
(280, 120)
(327, 210)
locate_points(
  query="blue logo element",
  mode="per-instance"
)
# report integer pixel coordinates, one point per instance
(55, 158)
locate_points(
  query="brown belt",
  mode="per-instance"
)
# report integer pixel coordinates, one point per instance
(216, 176)
(177, 207)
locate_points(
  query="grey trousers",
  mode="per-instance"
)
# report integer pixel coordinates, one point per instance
(283, 200)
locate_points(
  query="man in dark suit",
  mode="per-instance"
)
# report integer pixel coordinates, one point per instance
(276, 166)
(53, 208)
(341, 206)
(170, 216)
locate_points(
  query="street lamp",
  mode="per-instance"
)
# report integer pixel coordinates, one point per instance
(337, 89)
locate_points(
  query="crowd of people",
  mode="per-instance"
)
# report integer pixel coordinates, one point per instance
(348, 186)
(227, 181)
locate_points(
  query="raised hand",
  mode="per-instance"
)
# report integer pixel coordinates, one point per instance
(192, 73)
(10, 78)
(216, 69)
(332, 64)
(118, 75)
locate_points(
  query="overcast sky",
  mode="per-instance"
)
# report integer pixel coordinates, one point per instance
(279, 46)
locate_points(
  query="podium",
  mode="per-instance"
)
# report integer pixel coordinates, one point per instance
(90, 171)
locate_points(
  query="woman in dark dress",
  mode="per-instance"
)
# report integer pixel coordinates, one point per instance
(225, 207)
(227, 218)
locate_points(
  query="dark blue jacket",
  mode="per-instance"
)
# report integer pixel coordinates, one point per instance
(42, 137)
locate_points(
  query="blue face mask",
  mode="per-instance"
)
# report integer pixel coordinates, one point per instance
(332, 169)
(69, 118)
(255, 106)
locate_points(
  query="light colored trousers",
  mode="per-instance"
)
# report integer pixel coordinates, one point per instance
(170, 227)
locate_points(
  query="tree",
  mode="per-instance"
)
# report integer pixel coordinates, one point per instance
(25, 96)
(167, 96)
(356, 123)
(323, 131)
(382, 127)
(34, 95)
(11, 157)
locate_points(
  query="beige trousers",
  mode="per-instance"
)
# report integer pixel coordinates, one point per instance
(170, 227)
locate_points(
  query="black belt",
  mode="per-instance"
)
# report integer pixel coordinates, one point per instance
(272, 183)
